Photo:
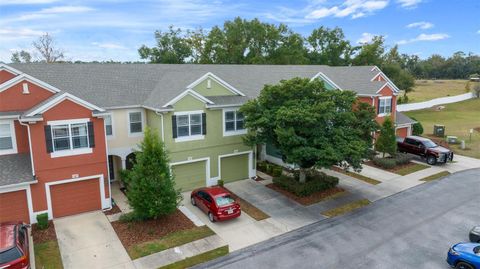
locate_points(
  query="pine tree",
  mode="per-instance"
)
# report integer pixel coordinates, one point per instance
(151, 187)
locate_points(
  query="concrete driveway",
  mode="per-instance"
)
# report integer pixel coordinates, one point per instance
(240, 232)
(89, 241)
(411, 229)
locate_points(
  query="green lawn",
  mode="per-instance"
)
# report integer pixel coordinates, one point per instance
(169, 241)
(345, 208)
(201, 258)
(430, 89)
(47, 255)
(458, 119)
(435, 176)
(411, 169)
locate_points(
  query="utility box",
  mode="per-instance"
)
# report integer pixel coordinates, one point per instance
(439, 130)
(452, 139)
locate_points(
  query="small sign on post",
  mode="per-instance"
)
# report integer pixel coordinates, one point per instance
(471, 132)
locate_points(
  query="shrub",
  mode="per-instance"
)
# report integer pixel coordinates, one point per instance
(277, 171)
(316, 182)
(386, 163)
(387, 142)
(42, 221)
(269, 168)
(262, 166)
(220, 182)
(402, 158)
(417, 128)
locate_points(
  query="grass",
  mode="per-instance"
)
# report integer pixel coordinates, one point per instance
(201, 258)
(458, 119)
(169, 241)
(358, 176)
(411, 169)
(248, 208)
(425, 90)
(47, 255)
(345, 208)
(435, 176)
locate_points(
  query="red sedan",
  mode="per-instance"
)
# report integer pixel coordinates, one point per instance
(14, 253)
(216, 202)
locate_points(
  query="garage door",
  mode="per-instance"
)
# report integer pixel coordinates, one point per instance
(190, 176)
(234, 167)
(14, 207)
(76, 197)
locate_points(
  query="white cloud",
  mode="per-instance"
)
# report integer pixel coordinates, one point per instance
(65, 9)
(478, 32)
(421, 25)
(353, 8)
(409, 3)
(424, 37)
(108, 45)
(23, 32)
(365, 38)
(25, 2)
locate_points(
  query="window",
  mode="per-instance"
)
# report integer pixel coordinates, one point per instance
(108, 125)
(233, 122)
(135, 122)
(189, 125)
(6, 139)
(384, 105)
(70, 136)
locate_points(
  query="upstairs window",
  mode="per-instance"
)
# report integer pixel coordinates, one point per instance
(234, 122)
(6, 137)
(135, 122)
(189, 125)
(108, 125)
(65, 138)
(385, 105)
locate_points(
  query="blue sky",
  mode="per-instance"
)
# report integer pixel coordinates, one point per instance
(114, 29)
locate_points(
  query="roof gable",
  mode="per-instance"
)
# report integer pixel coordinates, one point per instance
(57, 99)
(218, 80)
(24, 77)
(191, 93)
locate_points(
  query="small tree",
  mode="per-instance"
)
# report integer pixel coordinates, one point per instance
(417, 128)
(47, 49)
(476, 90)
(386, 142)
(151, 187)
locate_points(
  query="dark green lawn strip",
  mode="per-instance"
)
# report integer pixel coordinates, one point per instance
(357, 176)
(436, 176)
(201, 258)
(345, 208)
(411, 169)
(169, 241)
(47, 255)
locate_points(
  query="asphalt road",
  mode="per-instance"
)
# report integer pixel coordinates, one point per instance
(412, 229)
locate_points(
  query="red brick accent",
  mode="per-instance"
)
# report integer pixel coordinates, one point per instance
(13, 98)
(5, 76)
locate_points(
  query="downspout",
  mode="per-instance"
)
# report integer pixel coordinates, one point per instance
(108, 168)
(161, 122)
(29, 144)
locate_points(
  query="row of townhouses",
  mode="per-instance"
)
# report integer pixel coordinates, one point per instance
(66, 130)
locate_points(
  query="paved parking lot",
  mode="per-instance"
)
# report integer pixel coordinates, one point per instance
(411, 229)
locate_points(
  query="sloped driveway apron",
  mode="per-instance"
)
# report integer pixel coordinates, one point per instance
(89, 241)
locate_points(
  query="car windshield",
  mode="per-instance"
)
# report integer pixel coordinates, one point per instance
(9, 255)
(476, 250)
(429, 144)
(224, 200)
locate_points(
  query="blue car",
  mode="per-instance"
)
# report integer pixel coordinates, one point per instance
(464, 256)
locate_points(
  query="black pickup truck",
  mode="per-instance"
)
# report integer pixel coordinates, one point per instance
(425, 148)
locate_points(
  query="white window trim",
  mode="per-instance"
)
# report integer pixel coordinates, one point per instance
(190, 137)
(112, 136)
(391, 108)
(231, 133)
(14, 149)
(142, 112)
(70, 152)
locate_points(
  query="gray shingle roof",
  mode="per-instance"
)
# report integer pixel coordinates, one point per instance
(401, 118)
(153, 85)
(228, 100)
(15, 168)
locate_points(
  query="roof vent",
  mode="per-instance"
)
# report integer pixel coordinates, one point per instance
(25, 88)
(209, 84)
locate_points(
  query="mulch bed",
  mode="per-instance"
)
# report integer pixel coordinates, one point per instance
(115, 209)
(311, 199)
(136, 232)
(393, 170)
(41, 236)
(258, 178)
(248, 208)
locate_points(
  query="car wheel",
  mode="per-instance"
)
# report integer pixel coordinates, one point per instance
(431, 160)
(463, 265)
(192, 200)
(210, 217)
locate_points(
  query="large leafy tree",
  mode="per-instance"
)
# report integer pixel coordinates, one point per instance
(371, 53)
(172, 48)
(151, 187)
(311, 126)
(329, 46)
